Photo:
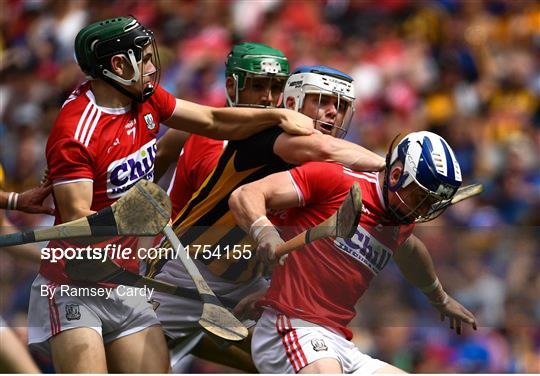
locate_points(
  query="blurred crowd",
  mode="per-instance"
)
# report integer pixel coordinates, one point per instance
(467, 70)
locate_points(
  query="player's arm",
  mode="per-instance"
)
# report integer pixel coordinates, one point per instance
(416, 265)
(249, 203)
(74, 200)
(235, 123)
(30, 201)
(325, 148)
(169, 147)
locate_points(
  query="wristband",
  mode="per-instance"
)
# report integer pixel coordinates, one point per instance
(12, 201)
(261, 232)
(254, 231)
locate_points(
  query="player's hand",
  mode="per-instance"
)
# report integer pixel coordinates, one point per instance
(247, 307)
(267, 242)
(457, 314)
(295, 123)
(31, 201)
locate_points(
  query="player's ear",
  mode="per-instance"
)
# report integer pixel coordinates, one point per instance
(395, 173)
(290, 103)
(119, 65)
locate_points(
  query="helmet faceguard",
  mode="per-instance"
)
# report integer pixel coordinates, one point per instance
(430, 177)
(323, 81)
(97, 43)
(250, 62)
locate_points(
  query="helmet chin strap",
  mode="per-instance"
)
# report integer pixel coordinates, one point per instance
(117, 81)
(123, 81)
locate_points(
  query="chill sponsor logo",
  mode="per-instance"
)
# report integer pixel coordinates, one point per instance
(124, 173)
(366, 249)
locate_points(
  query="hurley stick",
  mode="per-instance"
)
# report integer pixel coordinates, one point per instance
(144, 210)
(341, 224)
(215, 318)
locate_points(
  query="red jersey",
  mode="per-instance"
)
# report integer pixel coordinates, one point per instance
(322, 282)
(198, 159)
(111, 147)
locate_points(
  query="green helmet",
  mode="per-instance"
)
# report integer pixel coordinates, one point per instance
(95, 44)
(254, 59)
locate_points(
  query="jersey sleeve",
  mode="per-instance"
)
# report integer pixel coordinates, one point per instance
(257, 150)
(68, 159)
(316, 182)
(164, 102)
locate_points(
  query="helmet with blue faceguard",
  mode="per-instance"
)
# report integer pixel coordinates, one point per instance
(430, 165)
(322, 80)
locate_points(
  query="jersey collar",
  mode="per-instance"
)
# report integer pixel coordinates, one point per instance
(108, 110)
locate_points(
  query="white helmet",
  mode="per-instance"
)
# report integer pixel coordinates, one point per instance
(429, 162)
(323, 81)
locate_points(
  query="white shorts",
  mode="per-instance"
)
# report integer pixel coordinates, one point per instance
(179, 316)
(283, 345)
(112, 317)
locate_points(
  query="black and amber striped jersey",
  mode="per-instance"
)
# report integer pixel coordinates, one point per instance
(207, 228)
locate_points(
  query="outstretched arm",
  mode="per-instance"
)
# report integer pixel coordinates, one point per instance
(417, 267)
(235, 123)
(325, 148)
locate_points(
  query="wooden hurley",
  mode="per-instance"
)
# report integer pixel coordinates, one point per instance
(341, 224)
(143, 211)
(215, 318)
